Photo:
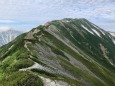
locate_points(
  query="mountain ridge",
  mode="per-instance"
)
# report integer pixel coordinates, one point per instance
(71, 51)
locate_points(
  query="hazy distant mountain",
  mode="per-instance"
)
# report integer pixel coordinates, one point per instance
(68, 52)
(7, 36)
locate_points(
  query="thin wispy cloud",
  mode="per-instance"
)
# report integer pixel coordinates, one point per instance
(40, 11)
(7, 21)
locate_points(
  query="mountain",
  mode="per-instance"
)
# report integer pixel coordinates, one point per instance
(8, 36)
(112, 33)
(67, 52)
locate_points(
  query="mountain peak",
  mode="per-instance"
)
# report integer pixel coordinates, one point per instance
(8, 35)
(67, 52)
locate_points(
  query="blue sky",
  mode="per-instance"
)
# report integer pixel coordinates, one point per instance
(27, 14)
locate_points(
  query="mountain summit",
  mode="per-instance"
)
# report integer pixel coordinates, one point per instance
(68, 52)
(8, 35)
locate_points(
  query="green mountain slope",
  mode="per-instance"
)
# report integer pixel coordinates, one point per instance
(68, 52)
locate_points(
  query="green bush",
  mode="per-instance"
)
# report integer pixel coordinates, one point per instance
(22, 78)
(44, 72)
(21, 63)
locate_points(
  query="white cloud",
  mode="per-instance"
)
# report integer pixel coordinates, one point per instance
(4, 28)
(44, 10)
(33, 10)
(7, 21)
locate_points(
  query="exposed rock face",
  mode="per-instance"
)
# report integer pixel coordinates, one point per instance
(49, 82)
(112, 33)
(30, 35)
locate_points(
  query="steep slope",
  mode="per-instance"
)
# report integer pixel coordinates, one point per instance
(112, 33)
(68, 52)
(8, 36)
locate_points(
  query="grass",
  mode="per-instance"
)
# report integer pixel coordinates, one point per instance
(21, 78)
(57, 77)
(19, 64)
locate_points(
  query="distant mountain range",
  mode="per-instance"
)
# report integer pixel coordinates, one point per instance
(8, 36)
(67, 52)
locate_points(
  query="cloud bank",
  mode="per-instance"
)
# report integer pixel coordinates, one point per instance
(41, 11)
(4, 28)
